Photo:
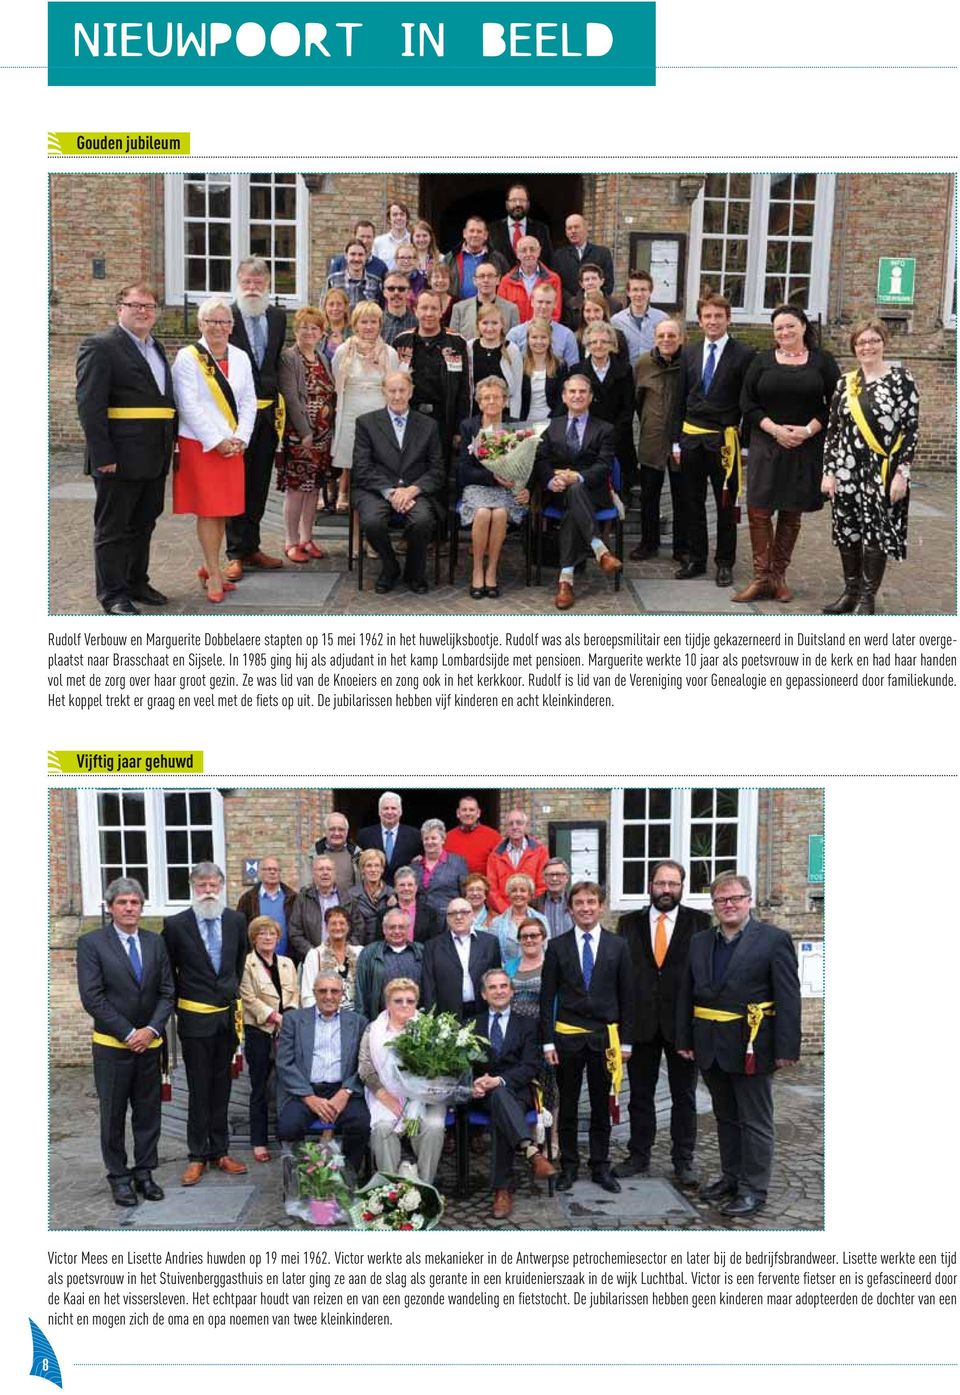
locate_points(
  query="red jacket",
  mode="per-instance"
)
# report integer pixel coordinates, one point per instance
(512, 288)
(475, 847)
(500, 869)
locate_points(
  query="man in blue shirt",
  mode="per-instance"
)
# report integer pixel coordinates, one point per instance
(640, 318)
(269, 896)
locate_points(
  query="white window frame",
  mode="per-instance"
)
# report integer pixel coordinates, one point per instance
(173, 238)
(754, 311)
(680, 845)
(154, 812)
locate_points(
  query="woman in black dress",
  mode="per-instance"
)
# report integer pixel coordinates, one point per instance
(786, 403)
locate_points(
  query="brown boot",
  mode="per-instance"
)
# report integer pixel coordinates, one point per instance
(761, 541)
(785, 540)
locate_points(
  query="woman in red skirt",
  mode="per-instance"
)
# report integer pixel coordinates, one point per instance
(217, 407)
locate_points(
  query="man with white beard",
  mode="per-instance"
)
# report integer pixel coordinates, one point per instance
(207, 945)
(259, 329)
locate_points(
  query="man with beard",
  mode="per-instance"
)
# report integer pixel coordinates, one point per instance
(437, 362)
(363, 232)
(472, 840)
(474, 251)
(336, 845)
(208, 947)
(659, 941)
(259, 328)
(311, 906)
(356, 279)
(507, 232)
(271, 897)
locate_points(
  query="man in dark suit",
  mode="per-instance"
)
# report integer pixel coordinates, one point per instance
(126, 408)
(505, 233)
(713, 374)
(586, 1023)
(207, 946)
(568, 260)
(659, 941)
(573, 464)
(455, 961)
(259, 329)
(502, 1081)
(399, 842)
(317, 1078)
(398, 471)
(738, 1017)
(126, 986)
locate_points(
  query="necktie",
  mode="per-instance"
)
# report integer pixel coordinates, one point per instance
(517, 234)
(587, 960)
(135, 960)
(496, 1035)
(660, 941)
(259, 340)
(388, 845)
(213, 943)
(573, 436)
(398, 424)
(709, 368)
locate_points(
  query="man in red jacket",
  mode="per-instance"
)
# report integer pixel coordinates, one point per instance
(519, 284)
(472, 840)
(518, 852)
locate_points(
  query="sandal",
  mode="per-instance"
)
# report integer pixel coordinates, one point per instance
(311, 549)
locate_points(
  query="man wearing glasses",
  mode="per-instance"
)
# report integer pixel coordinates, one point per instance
(125, 404)
(455, 961)
(659, 941)
(738, 1017)
(397, 315)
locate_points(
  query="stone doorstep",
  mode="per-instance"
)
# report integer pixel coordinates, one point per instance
(640, 1199)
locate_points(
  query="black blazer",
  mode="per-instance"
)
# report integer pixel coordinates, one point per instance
(521, 1057)
(194, 975)
(553, 388)
(763, 969)
(614, 398)
(112, 372)
(264, 377)
(567, 265)
(564, 996)
(109, 990)
(719, 407)
(379, 463)
(426, 922)
(442, 983)
(500, 240)
(594, 462)
(655, 1003)
(406, 845)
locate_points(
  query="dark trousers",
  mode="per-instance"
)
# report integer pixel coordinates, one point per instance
(743, 1108)
(508, 1128)
(643, 1069)
(375, 518)
(699, 467)
(651, 484)
(353, 1125)
(243, 531)
(124, 517)
(578, 527)
(577, 1054)
(208, 1061)
(127, 1078)
(258, 1047)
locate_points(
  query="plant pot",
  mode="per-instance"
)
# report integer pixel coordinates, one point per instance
(324, 1211)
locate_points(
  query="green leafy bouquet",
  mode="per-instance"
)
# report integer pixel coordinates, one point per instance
(391, 1202)
(434, 1052)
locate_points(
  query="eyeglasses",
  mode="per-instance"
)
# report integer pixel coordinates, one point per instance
(138, 305)
(863, 343)
(398, 290)
(534, 936)
(218, 324)
(403, 1002)
(729, 900)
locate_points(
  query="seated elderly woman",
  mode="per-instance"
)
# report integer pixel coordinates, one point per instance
(366, 902)
(384, 1089)
(439, 873)
(476, 888)
(487, 503)
(267, 989)
(332, 955)
(506, 926)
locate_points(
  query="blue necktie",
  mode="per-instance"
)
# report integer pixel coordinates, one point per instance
(388, 845)
(213, 943)
(135, 960)
(496, 1035)
(710, 367)
(573, 436)
(587, 960)
(259, 340)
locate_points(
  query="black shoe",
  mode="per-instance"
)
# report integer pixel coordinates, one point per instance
(605, 1177)
(387, 580)
(744, 1204)
(123, 1193)
(122, 608)
(686, 1175)
(724, 574)
(643, 552)
(566, 1179)
(718, 1190)
(149, 595)
(419, 588)
(493, 593)
(634, 1166)
(689, 570)
(478, 593)
(148, 1188)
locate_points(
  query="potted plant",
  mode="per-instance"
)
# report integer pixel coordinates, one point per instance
(320, 1182)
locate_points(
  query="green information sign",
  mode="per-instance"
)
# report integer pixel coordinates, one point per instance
(815, 858)
(896, 277)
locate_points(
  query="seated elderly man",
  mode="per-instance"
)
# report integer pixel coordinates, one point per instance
(311, 906)
(395, 956)
(317, 1078)
(502, 1083)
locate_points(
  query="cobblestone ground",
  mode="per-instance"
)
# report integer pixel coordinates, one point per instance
(80, 1199)
(924, 584)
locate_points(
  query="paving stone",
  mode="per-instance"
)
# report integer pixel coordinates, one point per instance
(208, 1206)
(641, 1199)
(697, 597)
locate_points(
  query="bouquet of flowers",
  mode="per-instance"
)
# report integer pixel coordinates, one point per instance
(322, 1193)
(434, 1052)
(508, 452)
(396, 1202)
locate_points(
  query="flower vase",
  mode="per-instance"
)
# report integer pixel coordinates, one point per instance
(323, 1210)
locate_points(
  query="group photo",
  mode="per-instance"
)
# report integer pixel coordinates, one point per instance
(405, 1008)
(464, 393)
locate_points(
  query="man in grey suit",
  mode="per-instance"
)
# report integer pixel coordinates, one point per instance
(463, 320)
(317, 1078)
(126, 985)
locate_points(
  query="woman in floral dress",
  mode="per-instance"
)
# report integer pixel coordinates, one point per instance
(307, 389)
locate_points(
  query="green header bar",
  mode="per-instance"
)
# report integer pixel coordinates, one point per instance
(424, 43)
(107, 762)
(118, 142)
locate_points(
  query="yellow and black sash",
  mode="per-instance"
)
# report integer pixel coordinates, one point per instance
(612, 1059)
(753, 1014)
(219, 387)
(854, 385)
(731, 459)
